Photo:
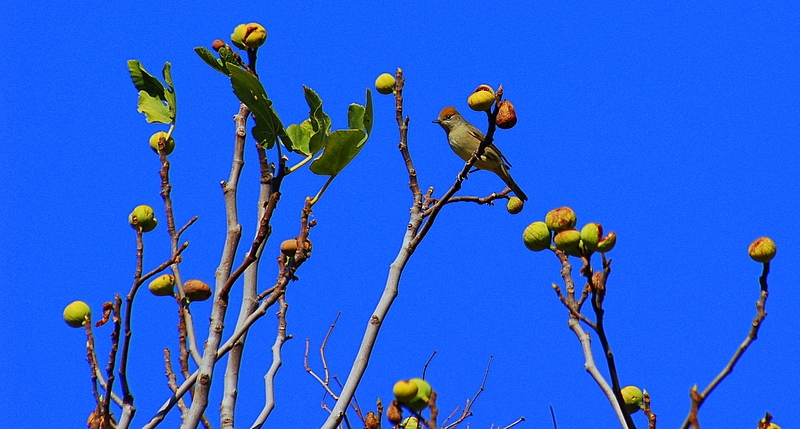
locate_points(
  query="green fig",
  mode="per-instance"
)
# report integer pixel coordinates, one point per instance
(568, 240)
(75, 313)
(423, 395)
(536, 237)
(607, 243)
(385, 84)
(514, 205)
(404, 391)
(163, 285)
(169, 143)
(560, 219)
(250, 35)
(481, 100)
(142, 217)
(762, 250)
(255, 35)
(633, 398)
(237, 37)
(410, 423)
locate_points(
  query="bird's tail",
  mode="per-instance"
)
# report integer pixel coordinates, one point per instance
(506, 176)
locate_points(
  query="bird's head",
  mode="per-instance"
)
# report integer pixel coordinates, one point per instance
(448, 118)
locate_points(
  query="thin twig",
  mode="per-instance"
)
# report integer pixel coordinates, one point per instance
(648, 411)
(468, 408)
(112, 356)
(91, 358)
(574, 324)
(269, 377)
(324, 344)
(699, 398)
(488, 200)
(597, 285)
(515, 422)
(171, 379)
(428, 362)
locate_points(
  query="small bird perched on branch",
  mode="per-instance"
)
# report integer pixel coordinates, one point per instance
(464, 139)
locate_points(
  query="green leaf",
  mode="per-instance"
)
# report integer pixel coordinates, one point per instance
(342, 147)
(355, 117)
(144, 81)
(154, 109)
(300, 137)
(211, 60)
(227, 56)
(368, 113)
(170, 92)
(250, 92)
(319, 120)
(360, 117)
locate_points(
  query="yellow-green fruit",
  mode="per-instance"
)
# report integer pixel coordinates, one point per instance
(163, 285)
(423, 395)
(568, 240)
(632, 397)
(607, 243)
(385, 84)
(75, 313)
(560, 219)
(481, 101)
(255, 35)
(143, 217)
(410, 423)
(762, 250)
(196, 290)
(404, 391)
(514, 205)
(169, 144)
(536, 236)
(237, 37)
(591, 234)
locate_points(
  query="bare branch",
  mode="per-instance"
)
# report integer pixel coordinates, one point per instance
(468, 408)
(514, 423)
(428, 362)
(171, 379)
(586, 343)
(648, 411)
(597, 286)
(269, 377)
(250, 298)
(699, 398)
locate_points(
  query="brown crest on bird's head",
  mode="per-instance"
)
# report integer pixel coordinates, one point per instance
(448, 111)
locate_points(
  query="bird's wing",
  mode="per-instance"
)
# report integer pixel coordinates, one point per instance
(494, 148)
(476, 132)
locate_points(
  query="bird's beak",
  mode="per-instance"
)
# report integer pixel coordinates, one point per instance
(436, 121)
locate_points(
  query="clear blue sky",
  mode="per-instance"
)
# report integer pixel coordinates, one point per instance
(674, 125)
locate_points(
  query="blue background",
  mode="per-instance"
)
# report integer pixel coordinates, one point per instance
(673, 124)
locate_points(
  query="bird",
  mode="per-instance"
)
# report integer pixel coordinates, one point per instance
(464, 139)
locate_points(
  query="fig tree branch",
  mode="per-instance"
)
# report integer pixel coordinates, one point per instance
(269, 377)
(249, 297)
(698, 398)
(574, 324)
(597, 286)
